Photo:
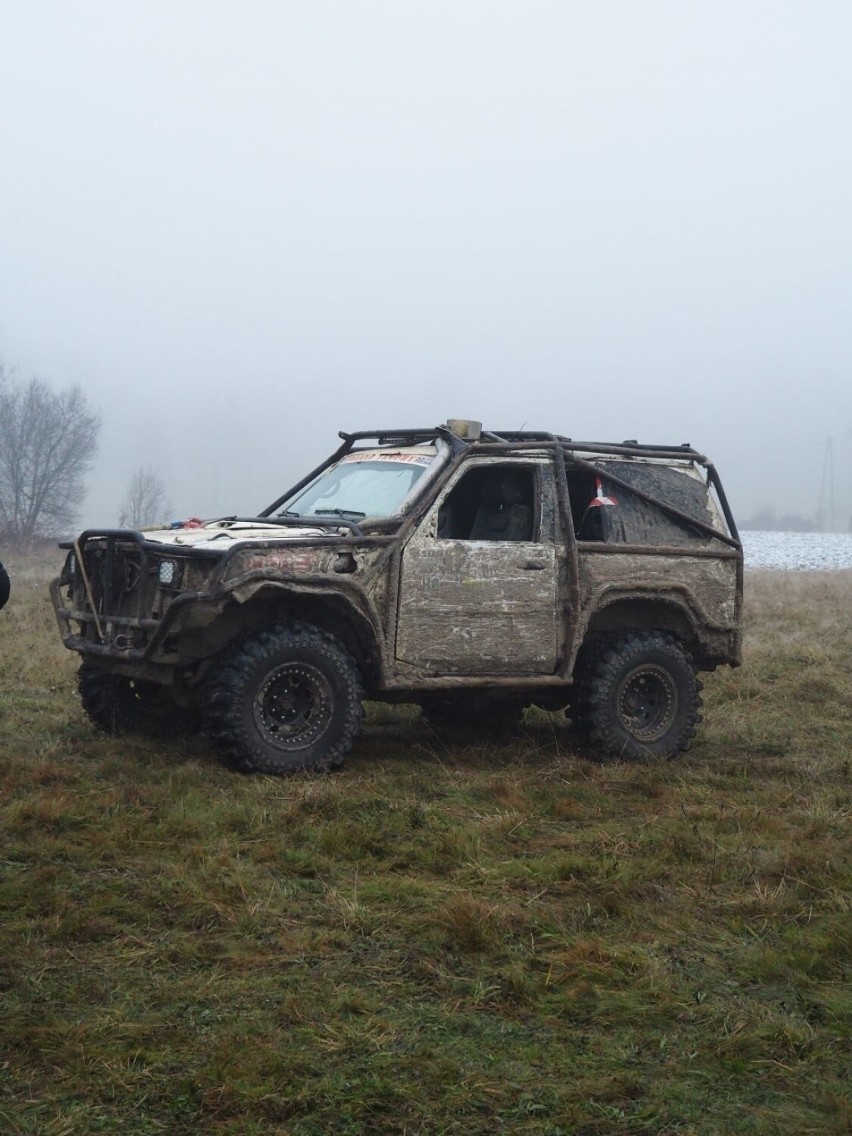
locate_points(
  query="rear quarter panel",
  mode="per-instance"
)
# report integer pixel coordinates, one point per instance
(707, 589)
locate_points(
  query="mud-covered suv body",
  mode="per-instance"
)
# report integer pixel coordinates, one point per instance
(471, 572)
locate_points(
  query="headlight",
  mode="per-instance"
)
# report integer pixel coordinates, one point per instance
(168, 572)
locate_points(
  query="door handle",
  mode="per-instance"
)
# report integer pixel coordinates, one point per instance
(532, 566)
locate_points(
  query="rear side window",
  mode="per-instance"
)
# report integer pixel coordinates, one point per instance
(603, 511)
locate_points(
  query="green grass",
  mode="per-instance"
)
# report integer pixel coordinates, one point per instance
(442, 938)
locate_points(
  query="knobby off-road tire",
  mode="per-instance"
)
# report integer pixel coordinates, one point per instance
(121, 705)
(637, 696)
(284, 699)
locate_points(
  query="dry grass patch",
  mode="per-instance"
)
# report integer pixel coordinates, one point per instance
(443, 938)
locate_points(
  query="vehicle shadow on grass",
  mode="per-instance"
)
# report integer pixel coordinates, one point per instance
(81, 742)
(394, 737)
(403, 735)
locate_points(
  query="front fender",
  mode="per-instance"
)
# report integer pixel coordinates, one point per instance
(338, 607)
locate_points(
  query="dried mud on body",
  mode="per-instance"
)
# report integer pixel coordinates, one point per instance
(482, 935)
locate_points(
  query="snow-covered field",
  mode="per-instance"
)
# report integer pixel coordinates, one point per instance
(797, 551)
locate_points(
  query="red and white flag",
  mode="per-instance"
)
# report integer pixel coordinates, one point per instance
(600, 497)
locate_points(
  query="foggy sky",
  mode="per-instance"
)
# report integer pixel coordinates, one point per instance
(243, 227)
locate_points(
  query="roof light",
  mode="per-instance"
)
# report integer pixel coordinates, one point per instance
(465, 428)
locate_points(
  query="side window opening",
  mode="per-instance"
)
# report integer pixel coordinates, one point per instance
(603, 512)
(494, 502)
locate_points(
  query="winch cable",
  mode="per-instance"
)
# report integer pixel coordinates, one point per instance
(89, 594)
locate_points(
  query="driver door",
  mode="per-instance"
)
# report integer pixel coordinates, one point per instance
(478, 582)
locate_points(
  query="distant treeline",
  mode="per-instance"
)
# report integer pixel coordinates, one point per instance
(766, 519)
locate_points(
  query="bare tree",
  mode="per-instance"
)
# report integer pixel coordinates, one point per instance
(146, 502)
(48, 441)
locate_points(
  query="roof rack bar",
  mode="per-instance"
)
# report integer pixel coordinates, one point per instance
(645, 451)
(360, 435)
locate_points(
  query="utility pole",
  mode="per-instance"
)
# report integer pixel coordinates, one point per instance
(825, 518)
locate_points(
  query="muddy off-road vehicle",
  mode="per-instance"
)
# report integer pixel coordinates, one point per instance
(474, 573)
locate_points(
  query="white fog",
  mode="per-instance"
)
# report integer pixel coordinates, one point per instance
(241, 228)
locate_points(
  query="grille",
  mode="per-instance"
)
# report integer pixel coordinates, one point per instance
(113, 600)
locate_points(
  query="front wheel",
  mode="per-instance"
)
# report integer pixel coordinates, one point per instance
(638, 696)
(285, 698)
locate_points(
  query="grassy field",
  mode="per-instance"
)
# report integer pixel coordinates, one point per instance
(444, 937)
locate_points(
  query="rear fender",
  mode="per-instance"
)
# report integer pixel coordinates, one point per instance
(708, 641)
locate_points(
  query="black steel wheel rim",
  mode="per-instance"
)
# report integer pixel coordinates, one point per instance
(293, 706)
(647, 702)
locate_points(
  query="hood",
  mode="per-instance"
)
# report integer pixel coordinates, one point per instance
(224, 533)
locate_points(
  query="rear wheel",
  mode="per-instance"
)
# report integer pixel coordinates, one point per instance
(284, 699)
(118, 704)
(637, 696)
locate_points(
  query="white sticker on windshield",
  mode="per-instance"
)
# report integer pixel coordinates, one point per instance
(384, 456)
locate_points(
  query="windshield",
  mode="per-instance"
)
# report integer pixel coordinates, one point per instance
(360, 487)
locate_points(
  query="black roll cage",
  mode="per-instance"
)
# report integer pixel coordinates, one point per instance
(506, 441)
